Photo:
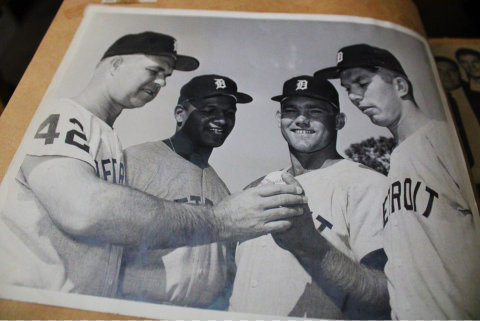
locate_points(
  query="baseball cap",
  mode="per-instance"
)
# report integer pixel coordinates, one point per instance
(151, 43)
(361, 55)
(309, 86)
(206, 86)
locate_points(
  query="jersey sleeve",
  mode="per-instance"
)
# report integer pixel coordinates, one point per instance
(64, 131)
(441, 141)
(364, 208)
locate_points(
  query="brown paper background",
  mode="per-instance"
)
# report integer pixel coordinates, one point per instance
(453, 42)
(34, 83)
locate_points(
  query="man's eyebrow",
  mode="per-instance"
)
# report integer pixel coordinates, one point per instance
(313, 105)
(355, 78)
(160, 68)
(288, 105)
(344, 84)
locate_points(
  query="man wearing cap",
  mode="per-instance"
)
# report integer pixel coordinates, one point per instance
(431, 230)
(177, 169)
(469, 59)
(343, 230)
(68, 214)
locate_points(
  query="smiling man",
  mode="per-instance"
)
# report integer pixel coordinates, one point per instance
(343, 276)
(68, 213)
(177, 169)
(431, 236)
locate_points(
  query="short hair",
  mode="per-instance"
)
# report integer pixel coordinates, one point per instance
(388, 75)
(466, 51)
(447, 60)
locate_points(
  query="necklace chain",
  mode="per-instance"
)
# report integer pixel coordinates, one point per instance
(171, 144)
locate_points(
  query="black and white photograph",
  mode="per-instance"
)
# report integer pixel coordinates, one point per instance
(223, 165)
(459, 69)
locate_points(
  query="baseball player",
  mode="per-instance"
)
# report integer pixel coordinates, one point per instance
(68, 213)
(348, 279)
(431, 231)
(469, 59)
(177, 169)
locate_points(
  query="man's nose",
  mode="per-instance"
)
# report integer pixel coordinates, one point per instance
(355, 97)
(302, 120)
(160, 80)
(220, 118)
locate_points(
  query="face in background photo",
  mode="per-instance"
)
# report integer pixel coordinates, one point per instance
(469, 59)
(449, 73)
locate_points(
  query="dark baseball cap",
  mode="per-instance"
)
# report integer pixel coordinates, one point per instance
(151, 43)
(206, 86)
(309, 86)
(361, 55)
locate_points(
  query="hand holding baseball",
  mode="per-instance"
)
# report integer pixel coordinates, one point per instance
(259, 210)
(298, 237)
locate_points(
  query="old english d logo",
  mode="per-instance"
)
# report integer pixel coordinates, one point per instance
(302, 84)
(220, 83)
(339, 57)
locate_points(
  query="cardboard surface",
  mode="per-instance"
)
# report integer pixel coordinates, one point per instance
(27, 96)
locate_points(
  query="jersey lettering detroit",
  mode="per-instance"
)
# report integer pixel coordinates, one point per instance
(405, 194)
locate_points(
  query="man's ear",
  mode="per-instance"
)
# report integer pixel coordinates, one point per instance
(181, 115)
(340, 120)
(401, 85)
(115, 63)
(278, 117)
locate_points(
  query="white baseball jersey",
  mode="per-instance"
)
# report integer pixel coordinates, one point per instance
(187, 276)
(431, 234)
(34, 252)
(270, 280)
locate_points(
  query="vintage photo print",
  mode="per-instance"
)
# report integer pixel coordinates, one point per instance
(457, 66)
(201, 164)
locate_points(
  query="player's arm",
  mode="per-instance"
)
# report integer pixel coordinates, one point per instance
(84, 206)
(364, 284)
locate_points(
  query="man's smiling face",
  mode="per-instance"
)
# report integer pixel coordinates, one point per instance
(211, 120)
(307, 124)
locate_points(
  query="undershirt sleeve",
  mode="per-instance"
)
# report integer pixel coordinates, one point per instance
(365, 214)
